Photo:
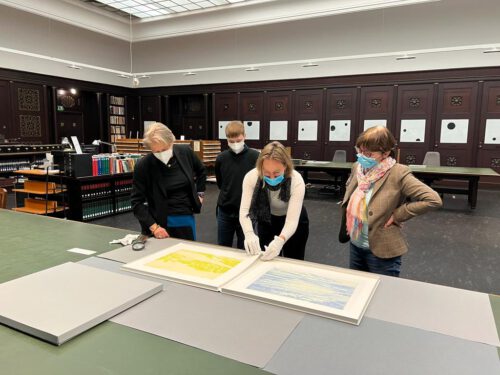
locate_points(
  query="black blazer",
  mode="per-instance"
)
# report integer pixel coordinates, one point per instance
(149, 199)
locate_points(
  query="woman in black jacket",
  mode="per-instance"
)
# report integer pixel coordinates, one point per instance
(168, 186)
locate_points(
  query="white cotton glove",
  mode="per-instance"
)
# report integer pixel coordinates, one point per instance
(252, 244)
(127, 240)
(273, 249)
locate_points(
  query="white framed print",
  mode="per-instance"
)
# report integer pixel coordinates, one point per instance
(492, 132)
(412, 131)
(340, 130)
(252, 130)
(367, 124)
(222, 129)
(278, 130)
(307, 130)
(454, 130)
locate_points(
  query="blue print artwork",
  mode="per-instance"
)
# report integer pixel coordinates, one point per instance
(305, 287)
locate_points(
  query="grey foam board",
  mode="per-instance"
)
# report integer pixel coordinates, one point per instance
(61, 302)
(451, 311)
(320, 346)
(240, 329)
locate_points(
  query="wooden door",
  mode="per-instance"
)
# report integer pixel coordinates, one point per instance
(376, 108)
(252, 115)
(455, 125)
(278, 127)
(225, 109)
(5, 117)
(414, 122)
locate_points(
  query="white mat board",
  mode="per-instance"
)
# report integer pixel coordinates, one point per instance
(61, 302)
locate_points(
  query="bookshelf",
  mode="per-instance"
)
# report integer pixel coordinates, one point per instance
(40, 197)
(131, 145)
(117, 117)
(99, 196)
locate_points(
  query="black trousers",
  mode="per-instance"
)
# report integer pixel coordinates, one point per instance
(295, 246)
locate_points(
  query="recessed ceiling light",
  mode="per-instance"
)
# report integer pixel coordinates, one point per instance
(405, 57)
(73, 66)
(492, 50)
(73, 91)
(190, 74)
(123, 76)
(144, 76)
(309, 65)
(252, 69)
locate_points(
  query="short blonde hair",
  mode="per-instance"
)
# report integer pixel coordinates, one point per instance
(275, 151)
(235, 129)
(158, 133)
(377, 138)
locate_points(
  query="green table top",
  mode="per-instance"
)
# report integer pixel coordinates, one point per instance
(31, 243)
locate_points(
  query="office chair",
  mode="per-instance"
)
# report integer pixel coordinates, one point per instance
(432, 159)
(340, 156)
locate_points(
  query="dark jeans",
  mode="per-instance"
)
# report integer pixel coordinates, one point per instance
(227, 225)
(295, 246)
(364, 260)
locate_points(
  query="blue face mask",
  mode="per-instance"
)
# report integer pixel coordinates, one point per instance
(274, 181)
(366, 162)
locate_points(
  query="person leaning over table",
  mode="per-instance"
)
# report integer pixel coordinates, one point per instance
(231, 166)
(375, 204)
(168, 186)
(273, 196)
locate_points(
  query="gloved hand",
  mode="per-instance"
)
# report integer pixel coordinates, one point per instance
(273, 249)
(252, 244)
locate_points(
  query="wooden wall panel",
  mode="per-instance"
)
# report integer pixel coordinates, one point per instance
(151, 108)
(308, 107)
(341, 107)
(415, 102)
(457, 101)
(29, 110)
(251, 113)
(278, 106)
(6, 128)
(376, 104)
(225, 108)
(488, 150)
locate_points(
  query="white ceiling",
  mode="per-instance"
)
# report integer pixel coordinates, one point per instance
(277, 37)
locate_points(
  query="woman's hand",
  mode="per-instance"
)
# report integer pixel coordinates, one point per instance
(391, 221)
(161, 232)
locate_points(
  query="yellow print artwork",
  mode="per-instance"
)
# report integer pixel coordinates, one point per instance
(195, 263)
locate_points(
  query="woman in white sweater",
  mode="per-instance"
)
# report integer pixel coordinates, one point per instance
(273, 196)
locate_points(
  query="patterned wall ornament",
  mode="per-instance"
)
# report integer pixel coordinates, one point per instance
(410, 159)
(279, 106)
(306, 156)
(456, 100)
(341, 104)
(68, 101)
(28, 99)
(149, 109)
(495, 162)
(451, 161)
(225, 107)
(376, 103)
(498, 99)
(252, 107)
(308, 105)
(30, 126)
(414, 102)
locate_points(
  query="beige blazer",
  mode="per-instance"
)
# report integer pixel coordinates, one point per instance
(389, 196)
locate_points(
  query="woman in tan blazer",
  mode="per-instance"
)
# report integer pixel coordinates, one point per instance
(376, 204)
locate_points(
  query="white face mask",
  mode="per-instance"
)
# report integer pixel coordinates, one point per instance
(237, 147)
(163, 156)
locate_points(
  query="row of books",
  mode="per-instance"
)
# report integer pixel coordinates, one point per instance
(14, 164)
(101, 189)
(116, 110)
(123, 186)
(110, 164)
(117, 100)
(123, 204)
(117, 120)
(93, 210)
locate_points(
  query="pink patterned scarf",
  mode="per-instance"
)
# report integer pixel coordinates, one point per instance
(356, 209)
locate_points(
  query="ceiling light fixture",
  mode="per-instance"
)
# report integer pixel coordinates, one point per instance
(72, 91)
(406, 57)
(309, 65)
(144, 76)
(190, 74)
(492, 50)
(123, 76)
(252, 69)
(73, 66)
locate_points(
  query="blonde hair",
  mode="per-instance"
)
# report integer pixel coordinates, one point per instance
(275, 151)
(158, 133)
(377, 138)
(235, 129)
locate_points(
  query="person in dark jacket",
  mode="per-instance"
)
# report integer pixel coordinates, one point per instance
(231, 166)
(168, 186)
